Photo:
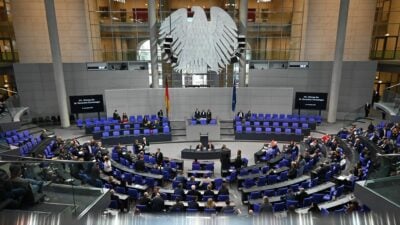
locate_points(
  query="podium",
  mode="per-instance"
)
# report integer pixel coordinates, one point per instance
(213, 132)
(204, 139)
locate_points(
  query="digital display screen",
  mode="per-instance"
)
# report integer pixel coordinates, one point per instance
(310, 100)
(86, 104)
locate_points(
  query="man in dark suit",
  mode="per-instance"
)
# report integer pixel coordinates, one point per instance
(203, 114)
(194, 192)
(367, 107)
(179, 191)
(145, 144)
(145, 200)
(193, 204)
(160, 115)
(159, 157)
(209, 191)
(139, 165)
(208, 115)
(157, 203)
(223, 190)
(197, 114)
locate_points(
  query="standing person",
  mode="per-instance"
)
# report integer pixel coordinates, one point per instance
(160, 115)
(238, 161)
(145, 144)
(159, 157)
(367, 107)
(203, 114)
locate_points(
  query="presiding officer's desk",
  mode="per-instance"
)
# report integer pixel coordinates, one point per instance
(198, 154)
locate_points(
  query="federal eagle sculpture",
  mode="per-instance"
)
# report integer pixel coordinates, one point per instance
(200, 44)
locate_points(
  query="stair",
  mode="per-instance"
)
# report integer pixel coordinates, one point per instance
(227, 130)
(178, 130)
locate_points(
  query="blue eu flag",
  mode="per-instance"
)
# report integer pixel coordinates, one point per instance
(234, 97)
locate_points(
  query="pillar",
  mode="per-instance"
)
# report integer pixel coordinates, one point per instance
(153, 41)
(58, 71)
(243, 31)
(338, 61)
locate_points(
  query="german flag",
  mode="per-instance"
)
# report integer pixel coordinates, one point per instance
(166, 97)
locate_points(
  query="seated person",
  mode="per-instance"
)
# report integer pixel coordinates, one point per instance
(196, 114)
(229, 207)
(199, 147)
(140, 165)
(145, 200)
(208, 116)
(178, 206)
(193, 204)
(203, 114)
(209, 191)
(122, 204)
(210, 147)
(240, 114)
(210, 204)
(157, 203)
(124, 118)
(31, 187)
(266, 206)
(194, 192)
(223, 190)
(248, 115)
(116, 115)
(145, 121)
(179, 191)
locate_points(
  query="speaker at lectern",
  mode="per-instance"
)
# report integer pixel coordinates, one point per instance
(204, 139)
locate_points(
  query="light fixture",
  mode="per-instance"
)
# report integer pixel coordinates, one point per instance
(263, 1)
(120, 1)
(6, 85)
(387, 34)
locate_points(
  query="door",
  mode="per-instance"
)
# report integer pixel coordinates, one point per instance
(385, 47)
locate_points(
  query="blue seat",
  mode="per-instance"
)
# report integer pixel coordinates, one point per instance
(262, 181)
(304, 125)
(120, 190)
(207, 210)
(113, 204)
(294, 203)
(107, 128)
(279, 207)
(132, 119)
(222, 198)
(166, 130)
(136, 132)
(275, 124)
(269, 193)
(116, 133)
(203, 122)
(298, 131)
(146, 132)
(256, 208)
(258, 130)
(272, 179)
(139, 118)
(218, 183)
(278, 130)
(268, 130)
(295, 125)
(196, 167)
(266, 124)
(285, 124)
(282, 191)
(189, 210)
(117, 127)
(247, 123)
(288, 131)
(318, 198)
(307, 201)
(257, 124)
(106, 134)
(136, 126)
(254, 195)
(248, 129)
(248, 183)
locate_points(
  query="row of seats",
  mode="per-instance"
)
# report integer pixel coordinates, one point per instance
(90, 122)
(136, 132)
(18, 138)
(48, 153)
(283, 117)
(272, 124)
(117, 127)
(26, 148)
(268, 130)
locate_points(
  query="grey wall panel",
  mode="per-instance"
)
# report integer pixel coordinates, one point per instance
(36, 88)
(356, 85)
(185, 100)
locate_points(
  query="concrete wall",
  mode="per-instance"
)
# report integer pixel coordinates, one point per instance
(32, 37)
(35, 84)
(356, 85)
(184, 101)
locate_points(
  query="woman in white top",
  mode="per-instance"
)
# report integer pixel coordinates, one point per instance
(107, 166)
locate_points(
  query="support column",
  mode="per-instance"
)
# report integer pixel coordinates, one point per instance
(153, 41)
(57, 62)
(243, 31)
(337, 64)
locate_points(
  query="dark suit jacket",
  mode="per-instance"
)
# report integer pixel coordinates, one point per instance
(193, 205)
(223, 191)
(159, 158)
(157, 204)
(209, 115)
(209, 193)
(203, 114)
(195, 193)
(139, 165)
